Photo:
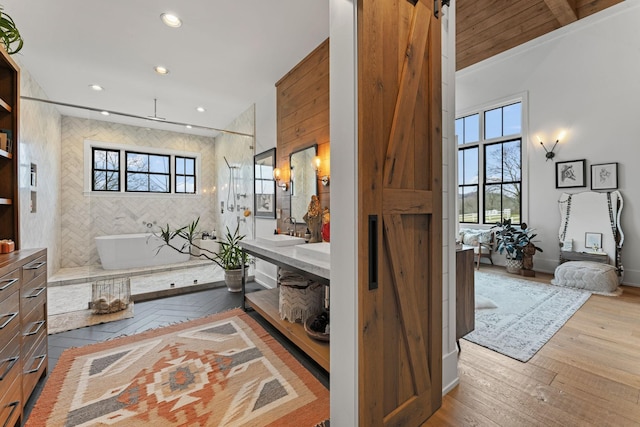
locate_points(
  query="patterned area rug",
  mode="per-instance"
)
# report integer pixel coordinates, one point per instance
(222, 370)
(526, 316)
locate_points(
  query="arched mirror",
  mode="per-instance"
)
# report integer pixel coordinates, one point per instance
(303, 180)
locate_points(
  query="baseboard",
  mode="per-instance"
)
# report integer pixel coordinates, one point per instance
(450, 377)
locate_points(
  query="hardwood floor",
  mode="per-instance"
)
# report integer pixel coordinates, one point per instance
(588, 374)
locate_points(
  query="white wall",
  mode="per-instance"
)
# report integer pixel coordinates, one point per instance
(582, 78)
(39, 139)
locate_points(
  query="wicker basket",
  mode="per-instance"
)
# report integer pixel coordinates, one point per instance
(110, 295)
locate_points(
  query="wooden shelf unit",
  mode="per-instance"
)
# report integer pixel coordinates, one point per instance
(9, 111)
(266, 304)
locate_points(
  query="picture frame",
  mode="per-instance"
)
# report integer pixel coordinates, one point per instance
(264, 186)
(604, 176)
(593, 241)
(571, 174)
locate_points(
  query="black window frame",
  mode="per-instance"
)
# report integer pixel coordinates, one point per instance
(127, 172)
(501, 183)
(105, 170)
(462, 186)
(184, 175)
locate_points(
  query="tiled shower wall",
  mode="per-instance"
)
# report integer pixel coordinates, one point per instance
(85, 216)
(39, 140)
(239, 151)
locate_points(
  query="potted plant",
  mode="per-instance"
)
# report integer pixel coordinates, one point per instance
(230, 257)
(518, 244)
(9, 34)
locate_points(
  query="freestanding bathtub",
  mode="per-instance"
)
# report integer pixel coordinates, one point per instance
(137, 250)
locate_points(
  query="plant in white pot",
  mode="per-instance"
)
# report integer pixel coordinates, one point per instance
(518, 244)
(230, 256)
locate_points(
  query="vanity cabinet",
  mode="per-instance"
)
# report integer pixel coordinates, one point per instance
(9, 110)
(23, 329)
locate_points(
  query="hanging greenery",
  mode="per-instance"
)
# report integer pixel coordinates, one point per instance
(9, 34)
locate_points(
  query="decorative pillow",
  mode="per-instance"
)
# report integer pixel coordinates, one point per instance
(484, 302)
(587, 275)
(473, 237)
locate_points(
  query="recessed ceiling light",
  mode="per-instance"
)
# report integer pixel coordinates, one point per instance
(104, 113)
(161, 70)
(96, 87)
(171, 20)
(188, 126)
(200, 110)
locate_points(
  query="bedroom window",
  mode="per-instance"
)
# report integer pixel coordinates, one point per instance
(490, 163)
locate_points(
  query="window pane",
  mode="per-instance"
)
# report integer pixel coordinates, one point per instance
(190, 166)
(137, 182)
(459, 130)
(468, 203)
(180, 184)
(461, 166)
(190, 186)
(159, 183)
(511, 202)
(268, 187)
(159, 164)
(99, 159)
(493, 163)
(472, 128)
(137, 162)
(493, 123)
(492, 204)
(471, 166)
(113, 181)
(511, 162)
(266, 172)
(113, 160)
(180, 165)
(512, 116)
(99, 180)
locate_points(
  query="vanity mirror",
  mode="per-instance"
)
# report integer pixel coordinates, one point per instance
(303, 180)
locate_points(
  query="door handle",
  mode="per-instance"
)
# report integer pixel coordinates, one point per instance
(373, 252)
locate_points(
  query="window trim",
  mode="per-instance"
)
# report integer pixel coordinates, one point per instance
(185, 175)
(94, 169)
(89, 145)
(523, 98)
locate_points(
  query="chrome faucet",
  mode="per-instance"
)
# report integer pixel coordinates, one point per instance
(292, 220)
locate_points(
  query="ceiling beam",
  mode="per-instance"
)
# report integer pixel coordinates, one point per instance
(563, 10)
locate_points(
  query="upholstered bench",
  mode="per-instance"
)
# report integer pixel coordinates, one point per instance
(587, 275)
(481, 240)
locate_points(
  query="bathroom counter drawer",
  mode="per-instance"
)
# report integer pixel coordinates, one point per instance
(34, 268)
(34, 366)
(10, 283)
(9, 318)
(11, 404)
(33, 294)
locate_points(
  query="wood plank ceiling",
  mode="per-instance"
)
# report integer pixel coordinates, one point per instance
(485, 28)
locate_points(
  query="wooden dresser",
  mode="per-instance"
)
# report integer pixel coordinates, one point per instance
(465, 292)
(23, 329)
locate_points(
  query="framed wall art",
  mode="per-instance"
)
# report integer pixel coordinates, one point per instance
(571, 174)
(264, 184)
(593, 241)
(604, 176)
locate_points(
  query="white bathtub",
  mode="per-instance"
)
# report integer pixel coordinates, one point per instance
(137, 250)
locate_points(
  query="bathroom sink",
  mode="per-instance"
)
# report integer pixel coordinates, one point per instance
(318, 251)
(280, 240)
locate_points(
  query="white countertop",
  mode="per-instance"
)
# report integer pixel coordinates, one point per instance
(287, 255)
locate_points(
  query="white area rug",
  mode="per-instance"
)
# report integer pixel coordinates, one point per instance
(527, 315)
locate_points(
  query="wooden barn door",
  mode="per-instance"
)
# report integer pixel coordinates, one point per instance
(400, 212)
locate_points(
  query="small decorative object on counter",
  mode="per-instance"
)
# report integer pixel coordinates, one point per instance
(7, 246)
(313, 218)
(326, 225)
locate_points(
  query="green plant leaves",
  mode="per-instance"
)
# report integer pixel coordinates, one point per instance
(9, 34)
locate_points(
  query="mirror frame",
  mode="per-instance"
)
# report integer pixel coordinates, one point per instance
(292, 183)
(264, 205)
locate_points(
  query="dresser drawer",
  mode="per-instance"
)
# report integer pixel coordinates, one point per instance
(9, 283)
(33, 294)
(34, 365)
(9, 318)
(11, 404)
(34, 269)
(10, 363)
(34, 327)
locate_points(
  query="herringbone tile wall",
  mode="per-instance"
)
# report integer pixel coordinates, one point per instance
(39, 144)
(86, 216)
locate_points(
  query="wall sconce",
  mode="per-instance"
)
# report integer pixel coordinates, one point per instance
(316, 165)
(549, 154)
(277, 176)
